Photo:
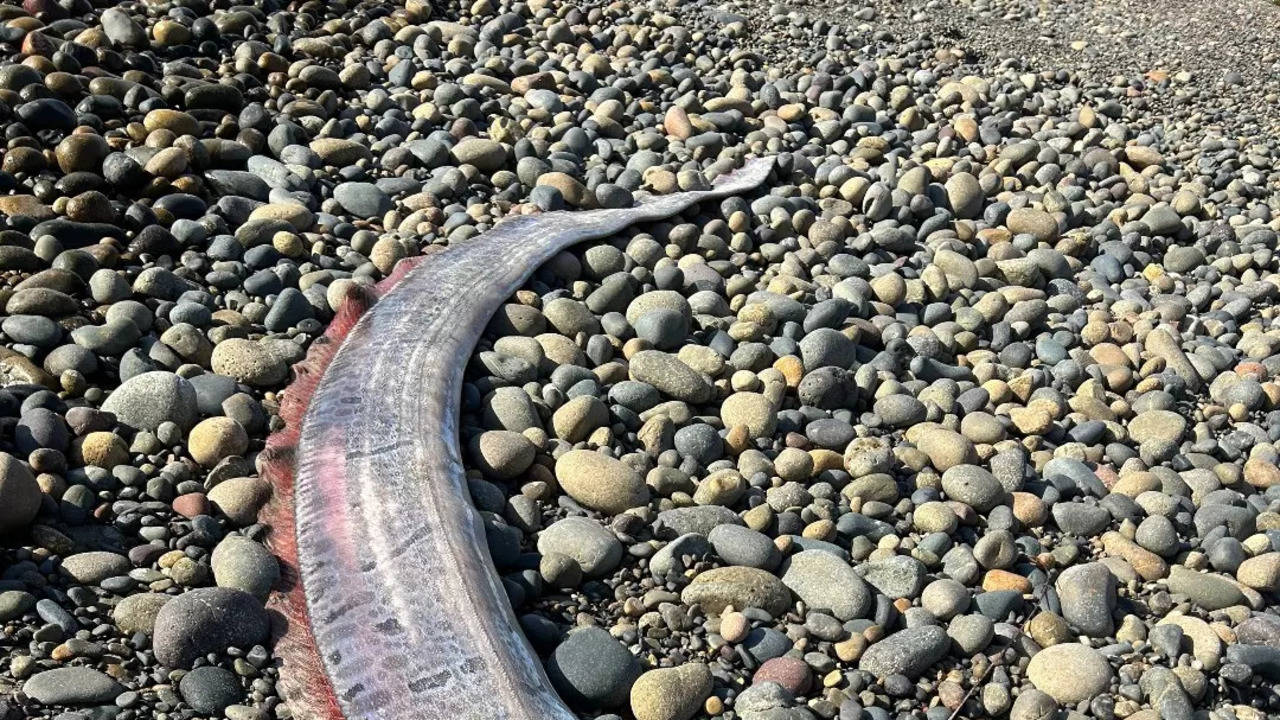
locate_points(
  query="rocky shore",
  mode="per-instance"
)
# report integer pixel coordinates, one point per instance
(971, 412)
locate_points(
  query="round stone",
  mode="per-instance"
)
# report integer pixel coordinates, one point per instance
(103, 449)
(665, 329)
(907, 652)
(750, 409)
(827, 347)
(503, 454)
(145, 401)
(362, 199)
(824, 581)
(91, 568)
(945, 598)
(670, 376)
(1157, 426)
(741, 587)
(577, 419)
(1033, 704)
(600, 482)
(972, 486)
(591, 669)
(72, 686)
(899, 410)
(868, 456)
(207, 620)
(20, 495)
(944, 448)
(897, 577)
(137, 613)
(965, 195)
(789, 672)
(486, 155)
(734, 627)
(1261, 572)
(738, 545)
(209, 689)
(596, 550)
(243, 564)
(1070, 673)
(934, 517)
(240, 498)
(1037, 223)
(671, 693)
(1088, 596)
(249, 362)
(971, 633)
(216, 438)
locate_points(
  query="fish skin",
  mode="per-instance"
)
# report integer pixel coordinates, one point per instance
(393, 609)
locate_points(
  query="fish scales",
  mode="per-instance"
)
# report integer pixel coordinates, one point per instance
(408, 614)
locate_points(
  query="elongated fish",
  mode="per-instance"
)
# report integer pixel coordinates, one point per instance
(394, 610)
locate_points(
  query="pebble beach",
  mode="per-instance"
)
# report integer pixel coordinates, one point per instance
(972, 410)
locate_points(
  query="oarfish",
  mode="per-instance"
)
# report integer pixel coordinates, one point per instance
(394, 609)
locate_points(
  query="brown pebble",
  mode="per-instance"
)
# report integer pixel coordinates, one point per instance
(790, 672)
(62, 653)
(951, 694)
(850, 650)
(1005, 580)
(191, 504)
(734, 627)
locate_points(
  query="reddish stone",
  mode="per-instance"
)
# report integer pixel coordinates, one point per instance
(789, 672)
(144, 555)
(191, 504)
(44, 9)
(37, 44)
(996, 580)
(951, 694)
(1249, 368)
(796, 440)
(1107, 475)
(963, 512)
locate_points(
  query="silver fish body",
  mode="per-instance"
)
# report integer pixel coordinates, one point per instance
(408, 615)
